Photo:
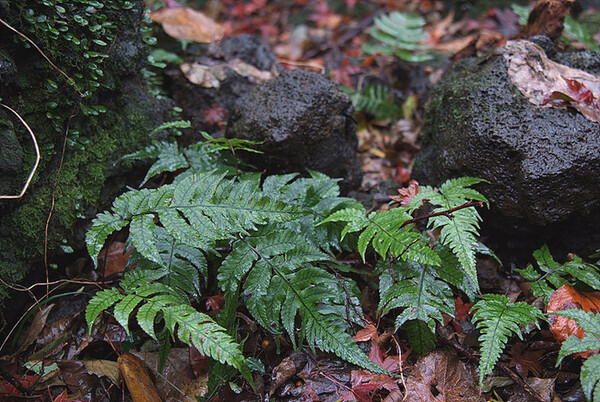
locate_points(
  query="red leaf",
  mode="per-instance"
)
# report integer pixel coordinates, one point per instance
(526, 362)
(406, 194)
(214, 115)
(215, 302)
(579, 91)
(343, 74)
(567, 297)
(461, 309)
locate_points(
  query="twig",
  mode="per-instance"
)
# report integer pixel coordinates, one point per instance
(447, 213)
(54, 186)
(37, 156)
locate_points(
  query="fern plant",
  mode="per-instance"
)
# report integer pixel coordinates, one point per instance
(276, 238)
(413, 276)
(554, 275)
(374, 100)
(590, 370)
(399, 34)
(201, 212)
(497, 317)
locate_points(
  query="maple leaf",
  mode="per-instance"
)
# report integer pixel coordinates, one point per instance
(406, 194)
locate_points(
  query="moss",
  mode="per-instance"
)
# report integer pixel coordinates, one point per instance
(113, 118)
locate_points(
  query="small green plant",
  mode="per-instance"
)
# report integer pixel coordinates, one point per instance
(498, 318)
(552, 275)
(399, 34)
(376, 101)
(590, 371)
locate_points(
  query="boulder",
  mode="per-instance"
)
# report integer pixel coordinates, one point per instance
(542, 164)
(304, 121)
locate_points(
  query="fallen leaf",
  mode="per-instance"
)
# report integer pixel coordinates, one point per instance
(567, 297)
(176, 375)
(113, 259)
(366, 334)
(547, 18)
(526, 362)
(211, 76)
(442, 373)
(406, 194)
(106, 368)
(37, 325)
(540, 78)
(140, 386)
(186, 23)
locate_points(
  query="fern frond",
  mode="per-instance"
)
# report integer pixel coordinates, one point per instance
(400, 34)
(198, 210)
(553, 274)
(418, 291)
(374, 100)
(421, 339)
(284, 283)
(100, 302)
(590, 378)
(156, 301)
(458, 229)
(498, 318)
(589, 322)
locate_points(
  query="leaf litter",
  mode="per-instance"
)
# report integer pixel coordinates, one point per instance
(57, 343)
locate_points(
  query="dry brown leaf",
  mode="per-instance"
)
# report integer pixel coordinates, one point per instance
(186, 23)
(140, 386)
(113, 259)
(37, 325)
(176, 375)
(567, 297)
(106, 368)
(211, 76)
(443, 373)
(537, 77)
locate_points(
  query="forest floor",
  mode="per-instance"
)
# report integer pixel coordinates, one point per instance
(66, 362)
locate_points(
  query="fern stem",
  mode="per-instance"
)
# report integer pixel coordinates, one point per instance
(447, 213)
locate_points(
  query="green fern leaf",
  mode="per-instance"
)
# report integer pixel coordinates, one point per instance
(198, 329)
(100, 302)
(458, 230)
(102, 226)
(421, 339)
(575, 345)
(399, 34)
(419, 292)
(281, 286)
(590, 323)
(590, 378)
(498, 318)
(555, 275)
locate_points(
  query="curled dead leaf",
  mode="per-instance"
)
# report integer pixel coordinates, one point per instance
(140, 386)
(538, 78)
(567, 297)
(186, 23)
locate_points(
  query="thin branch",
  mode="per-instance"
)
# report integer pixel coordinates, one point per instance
(447, 213)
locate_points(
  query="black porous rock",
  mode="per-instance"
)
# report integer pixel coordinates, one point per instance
(542, 164)
(196, 100)
(305, 122)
